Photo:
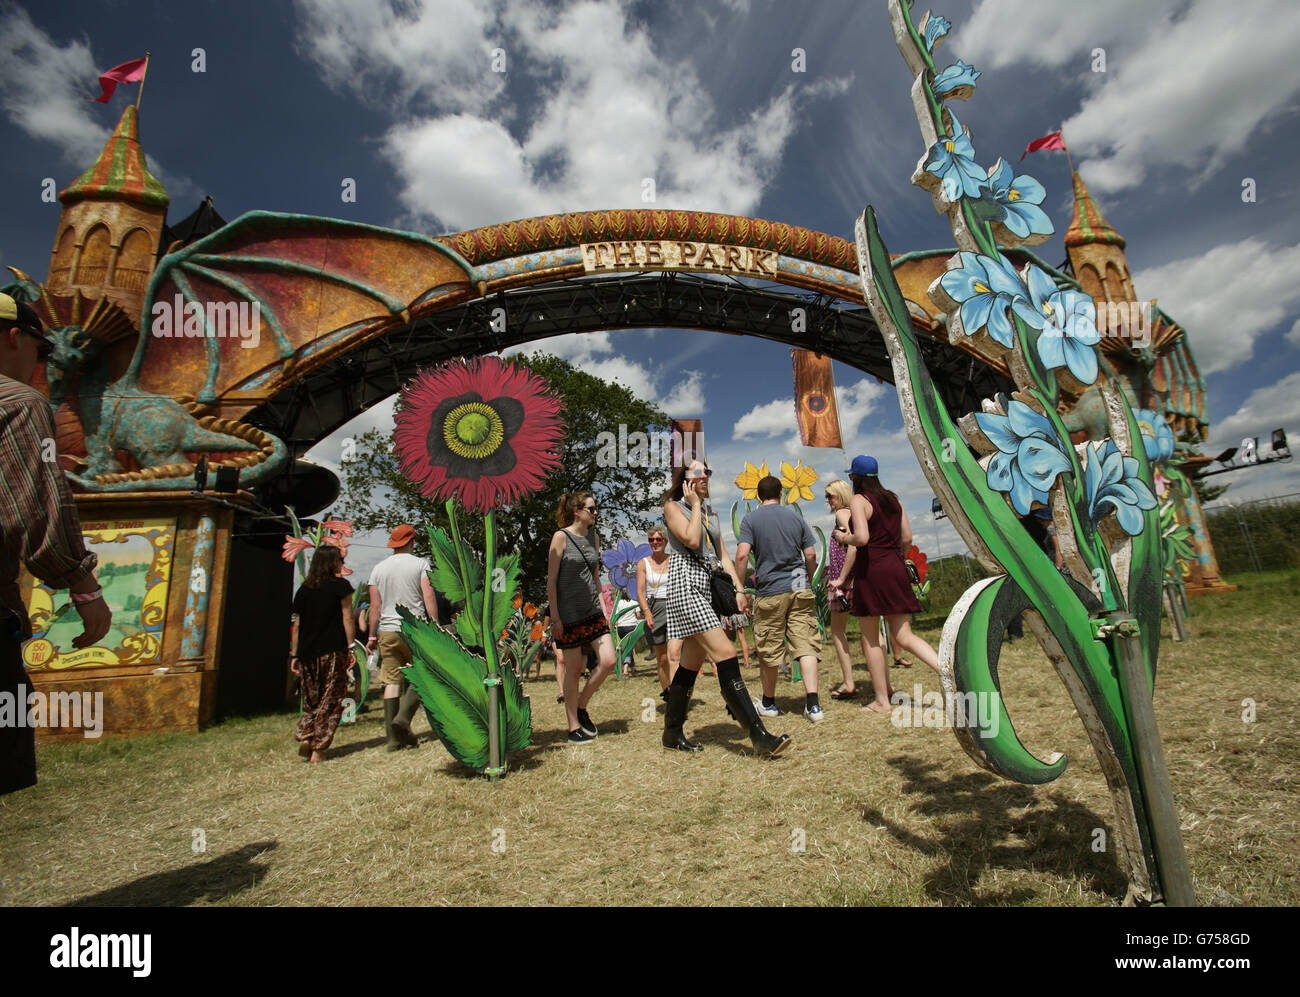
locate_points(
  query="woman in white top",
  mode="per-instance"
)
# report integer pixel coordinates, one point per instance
(652, 593)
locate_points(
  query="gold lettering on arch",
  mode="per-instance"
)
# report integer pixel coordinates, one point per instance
(669, 254)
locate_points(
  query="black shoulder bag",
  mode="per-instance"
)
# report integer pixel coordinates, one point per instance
(722, 589)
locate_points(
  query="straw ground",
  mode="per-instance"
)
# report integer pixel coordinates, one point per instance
(859, 812)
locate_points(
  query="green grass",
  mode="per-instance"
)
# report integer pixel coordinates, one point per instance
(887, 815)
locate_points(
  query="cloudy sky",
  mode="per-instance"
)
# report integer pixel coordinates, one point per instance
(1189, 100)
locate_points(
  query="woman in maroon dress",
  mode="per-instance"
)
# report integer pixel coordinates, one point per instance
(880, 585)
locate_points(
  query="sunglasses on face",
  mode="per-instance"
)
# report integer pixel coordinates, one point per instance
(590, 508)
(706, 473)
(43, 346)
(656, 540)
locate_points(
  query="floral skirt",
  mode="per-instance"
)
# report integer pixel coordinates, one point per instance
(324, 688)
(583, 632)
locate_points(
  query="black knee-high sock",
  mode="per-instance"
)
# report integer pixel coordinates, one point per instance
(685, 678)
(727, 670)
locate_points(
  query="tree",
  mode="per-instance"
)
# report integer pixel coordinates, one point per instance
(377, 496)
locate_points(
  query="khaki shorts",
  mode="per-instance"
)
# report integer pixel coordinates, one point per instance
(787, 618)
(393, 656)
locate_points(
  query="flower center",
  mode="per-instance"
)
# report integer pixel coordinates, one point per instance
(473, 430)
(1013, 195)
(982, 288)
(949, 145)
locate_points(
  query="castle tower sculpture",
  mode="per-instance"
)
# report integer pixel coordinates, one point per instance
(111, 223)
(1096, 250)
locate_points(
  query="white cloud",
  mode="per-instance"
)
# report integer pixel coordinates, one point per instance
(44, 86)
(1265, 409)
(600, 111)
(686, 399)
(1227, 297)
(1184, 83)
(765, 420)
(407, 52)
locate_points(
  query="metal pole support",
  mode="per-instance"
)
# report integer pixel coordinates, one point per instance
(495, 769)
(1162, 815)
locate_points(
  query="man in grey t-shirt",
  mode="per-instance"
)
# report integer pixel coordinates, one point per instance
(785, 611)
(402, 579)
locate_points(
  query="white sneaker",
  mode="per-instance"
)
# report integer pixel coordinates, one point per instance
(765, 711)
(815, 715)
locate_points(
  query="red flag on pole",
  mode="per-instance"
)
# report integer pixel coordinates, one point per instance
(1053, 140)
(814, 400)
(128, 72)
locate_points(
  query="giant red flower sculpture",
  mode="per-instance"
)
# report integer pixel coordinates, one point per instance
(482, 431)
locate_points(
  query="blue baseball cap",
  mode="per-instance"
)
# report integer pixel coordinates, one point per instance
(866, 466)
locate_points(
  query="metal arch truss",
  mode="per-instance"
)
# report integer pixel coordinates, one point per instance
(326, 398)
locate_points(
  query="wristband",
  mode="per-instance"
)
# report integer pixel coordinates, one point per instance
(83, 597)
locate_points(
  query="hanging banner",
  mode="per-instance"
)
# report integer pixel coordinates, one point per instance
(688, 441)
(814, 400)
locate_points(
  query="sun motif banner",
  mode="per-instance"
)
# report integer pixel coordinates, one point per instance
(814, 400)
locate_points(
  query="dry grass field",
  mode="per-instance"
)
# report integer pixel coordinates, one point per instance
(885, 815)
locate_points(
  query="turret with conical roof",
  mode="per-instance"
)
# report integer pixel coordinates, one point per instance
(1096, 250)
(110, 225)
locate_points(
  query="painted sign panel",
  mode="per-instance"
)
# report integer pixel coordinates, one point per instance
(135, 558)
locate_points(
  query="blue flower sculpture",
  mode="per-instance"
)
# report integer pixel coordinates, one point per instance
(952, 160)
(1019, 198)
(986, 287)
(1114, 480)
(1069, 323)
(956, 81)
(1156, 434)
(1029, 456)
(935, 28)
(621, 562)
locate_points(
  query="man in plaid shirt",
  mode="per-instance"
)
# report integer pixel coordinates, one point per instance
(38, 527)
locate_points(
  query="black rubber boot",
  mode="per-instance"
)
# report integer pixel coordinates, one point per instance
(741, 708)
(391, 706)
(401, 724)
(679, 698)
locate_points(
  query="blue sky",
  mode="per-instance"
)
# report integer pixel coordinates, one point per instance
(1196, 96)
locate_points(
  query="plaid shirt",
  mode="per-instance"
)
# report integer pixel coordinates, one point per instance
(38, 520)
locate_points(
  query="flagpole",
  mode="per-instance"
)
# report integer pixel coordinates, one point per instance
(1068, 161)
(140, 93)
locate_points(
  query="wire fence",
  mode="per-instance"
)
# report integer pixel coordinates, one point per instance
(1263, 535)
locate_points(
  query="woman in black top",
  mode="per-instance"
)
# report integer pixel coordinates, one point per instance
(578, 618)
(323, 633)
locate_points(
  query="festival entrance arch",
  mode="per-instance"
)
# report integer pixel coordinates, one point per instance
(260, 339)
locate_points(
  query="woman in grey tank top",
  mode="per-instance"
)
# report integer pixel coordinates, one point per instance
(578, 617)
(694, 629)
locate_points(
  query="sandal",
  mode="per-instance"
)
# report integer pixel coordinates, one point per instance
(903, 663)
(842, 693)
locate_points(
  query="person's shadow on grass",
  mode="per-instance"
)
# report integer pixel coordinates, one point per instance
(213, 880)
(1056, 839)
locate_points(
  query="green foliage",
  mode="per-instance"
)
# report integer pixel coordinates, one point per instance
(1262, 536)
(450, 682)
(377, 496)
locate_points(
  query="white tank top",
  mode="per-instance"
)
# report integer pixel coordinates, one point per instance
(656, 585)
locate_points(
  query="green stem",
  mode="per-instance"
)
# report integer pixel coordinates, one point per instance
(460, 554)
(489, 634)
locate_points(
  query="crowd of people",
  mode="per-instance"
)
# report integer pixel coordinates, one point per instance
(675, 585)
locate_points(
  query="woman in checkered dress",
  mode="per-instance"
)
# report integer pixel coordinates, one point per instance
(694, 630)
